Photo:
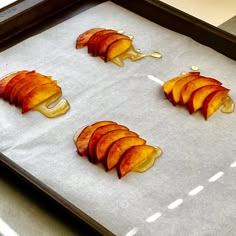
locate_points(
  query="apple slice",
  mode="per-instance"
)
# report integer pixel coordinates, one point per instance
(40, 94)
(188, 88)
(97, 134)
(198, 96)
(118, 148)
(83, 38)
(136, 156)
(105, 41)
(174, 96)
(168, 85)
(106, 141)
(12, 82)
(36, 77)
(213, 101)
(95, 37)
(117, 48)
(82, 139)
(6, 79)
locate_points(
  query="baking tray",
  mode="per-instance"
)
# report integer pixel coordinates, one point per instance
(167, 17)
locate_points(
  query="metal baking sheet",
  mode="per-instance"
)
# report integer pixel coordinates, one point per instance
(191, 188)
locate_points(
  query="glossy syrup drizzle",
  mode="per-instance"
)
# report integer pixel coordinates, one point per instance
(133, 55)
(228, 105)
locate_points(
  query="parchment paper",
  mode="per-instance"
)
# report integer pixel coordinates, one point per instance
(194, 149)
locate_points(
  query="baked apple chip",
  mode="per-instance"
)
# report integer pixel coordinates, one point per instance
(138, 158)
(198, 92)
(118, 148)
(33, 91)
(111, 45)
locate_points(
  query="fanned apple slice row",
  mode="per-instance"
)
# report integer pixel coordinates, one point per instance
(136, 158)
(168, 85)
(117, 48)
(12, 83)
(95, 38)
(83, 38)
(213, 101)
(188, 88)
(97, 134)
(4, 81)
(106, 141)
(198, 96)
(35, 77)
(118, 148)
(40, 94)
(82, 138)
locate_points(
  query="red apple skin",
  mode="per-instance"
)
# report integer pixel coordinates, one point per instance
(213, 101)
(197, 98)
(9, 86)
(191, 86)
(82, 139)
(95, 37)
(36, 77)
(6, 79)
(97, 134)
(83, 38)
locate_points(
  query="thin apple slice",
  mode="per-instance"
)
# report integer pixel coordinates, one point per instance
(33, 84)
(188, 88)
(107, 139)
(105, 41)
(82, 138)
(40, 94)
(117, 48)
(9, 86)
(174, 96)
(168, 85)
(83, 38)
(36, 77)
(118, 148)
(97, 134)
(136, 156)
(198, 96)
(95, 37)
(4, 81)
(213, 101)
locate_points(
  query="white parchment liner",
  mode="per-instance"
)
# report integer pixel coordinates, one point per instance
(194, 149)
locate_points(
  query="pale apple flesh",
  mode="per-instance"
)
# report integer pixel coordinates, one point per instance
(82, 138)
(117, 48)
(118, 148)
(97, 134)
(213, 101)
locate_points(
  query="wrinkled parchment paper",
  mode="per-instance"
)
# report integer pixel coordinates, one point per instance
(194, 149)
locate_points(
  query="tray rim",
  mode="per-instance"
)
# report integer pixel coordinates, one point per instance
(146, 8)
